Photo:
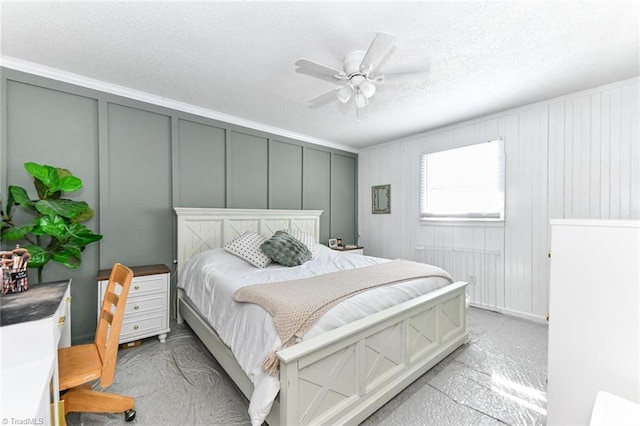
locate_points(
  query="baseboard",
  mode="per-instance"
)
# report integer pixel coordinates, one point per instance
(524, 315)
(483, 306)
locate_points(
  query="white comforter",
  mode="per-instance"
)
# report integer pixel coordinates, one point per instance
(210, 278)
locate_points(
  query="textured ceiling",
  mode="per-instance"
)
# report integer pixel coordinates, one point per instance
(237, 58)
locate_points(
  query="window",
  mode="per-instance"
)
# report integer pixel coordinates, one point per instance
(464, 183)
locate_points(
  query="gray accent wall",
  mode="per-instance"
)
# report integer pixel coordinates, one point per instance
(343, 178)
(247, 171)
(139, 160)
(316, 186)
(285, 173)
(133, 207)
(201, 165)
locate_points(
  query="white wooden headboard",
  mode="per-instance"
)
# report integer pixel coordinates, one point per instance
(201, 229)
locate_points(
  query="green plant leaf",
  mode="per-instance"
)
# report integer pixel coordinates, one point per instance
(69, 184)
(54, 226)
(63, 172)
(39, 256)
(36, 228)
(69, 255)
(46, 174)
(81, 235)
(20, 196)
(10, 203)
(65, 208)
(17, 232)
(85, 238)
(84, 216)
(41, 189)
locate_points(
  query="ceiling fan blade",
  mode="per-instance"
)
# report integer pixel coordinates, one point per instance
(317, 70)
(378, 69)
(379, 48)
(323, 99)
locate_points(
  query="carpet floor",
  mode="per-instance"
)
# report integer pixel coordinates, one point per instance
(498, 377)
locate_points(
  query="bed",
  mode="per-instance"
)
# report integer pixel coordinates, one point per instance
(340, 376)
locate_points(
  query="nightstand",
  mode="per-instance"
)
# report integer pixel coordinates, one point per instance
(351, 250)
(147, 311)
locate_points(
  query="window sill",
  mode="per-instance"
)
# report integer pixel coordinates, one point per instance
(495, 223)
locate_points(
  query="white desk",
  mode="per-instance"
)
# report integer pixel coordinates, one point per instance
(33, 325)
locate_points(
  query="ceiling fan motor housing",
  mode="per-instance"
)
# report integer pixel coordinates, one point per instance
(352, 62)
(358, 78)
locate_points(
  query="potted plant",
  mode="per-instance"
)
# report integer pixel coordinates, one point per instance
(56, 231)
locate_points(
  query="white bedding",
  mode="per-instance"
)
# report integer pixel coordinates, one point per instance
(210, 278)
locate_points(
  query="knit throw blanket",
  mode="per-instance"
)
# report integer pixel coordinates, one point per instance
(297, 305)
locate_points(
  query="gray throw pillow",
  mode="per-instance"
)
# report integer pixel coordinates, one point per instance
(285, 249)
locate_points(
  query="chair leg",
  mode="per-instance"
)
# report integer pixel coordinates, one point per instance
(85, 400)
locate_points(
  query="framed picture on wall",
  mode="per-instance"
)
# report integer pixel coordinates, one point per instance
(333, 242)
(381, 199)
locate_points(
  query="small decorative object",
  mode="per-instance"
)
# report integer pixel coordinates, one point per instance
(333, 243)
(14, 270)
(381, 199)
(339, 241)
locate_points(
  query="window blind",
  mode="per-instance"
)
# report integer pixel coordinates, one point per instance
(463, 183)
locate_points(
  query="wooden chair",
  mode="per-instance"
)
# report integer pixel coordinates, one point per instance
(81, 364)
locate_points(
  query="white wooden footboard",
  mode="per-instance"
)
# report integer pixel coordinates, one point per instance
(345, 375)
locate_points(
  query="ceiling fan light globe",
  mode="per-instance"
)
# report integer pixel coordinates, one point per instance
(368, 88)
(361, 100)
(344, 94)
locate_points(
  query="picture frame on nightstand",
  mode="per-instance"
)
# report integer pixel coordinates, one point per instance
(333, 242)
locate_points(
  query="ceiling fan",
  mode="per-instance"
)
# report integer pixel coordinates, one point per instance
(361, 74)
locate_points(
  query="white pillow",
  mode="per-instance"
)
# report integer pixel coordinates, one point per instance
(247, 247)
(305, 238)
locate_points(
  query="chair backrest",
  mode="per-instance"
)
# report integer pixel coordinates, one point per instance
(110, 320)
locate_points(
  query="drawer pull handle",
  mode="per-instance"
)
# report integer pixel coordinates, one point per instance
(136, 307)
(137, 287)
(135, 327)
(61, 320)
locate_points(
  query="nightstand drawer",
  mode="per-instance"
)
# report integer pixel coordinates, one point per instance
(138, 327)
(142, 304)
(148, 284)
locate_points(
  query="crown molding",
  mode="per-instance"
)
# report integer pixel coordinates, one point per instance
(114, 89)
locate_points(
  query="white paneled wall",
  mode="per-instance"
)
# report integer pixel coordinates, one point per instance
(572, 157)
